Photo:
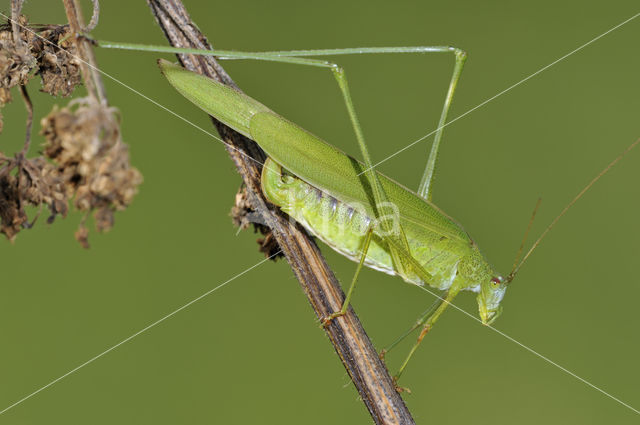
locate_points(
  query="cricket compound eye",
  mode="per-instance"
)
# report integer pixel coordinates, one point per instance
(496, 281)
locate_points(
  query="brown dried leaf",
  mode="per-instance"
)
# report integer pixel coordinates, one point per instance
(269, 246)
(243, 215)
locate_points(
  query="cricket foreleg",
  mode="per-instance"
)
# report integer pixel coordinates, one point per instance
(427, 321)
(416, 325)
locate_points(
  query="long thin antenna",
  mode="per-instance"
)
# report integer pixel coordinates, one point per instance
(569, 205)
(524, 239)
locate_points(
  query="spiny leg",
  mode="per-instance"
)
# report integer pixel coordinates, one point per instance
(415, 326)
(347, 298)
(427, 323)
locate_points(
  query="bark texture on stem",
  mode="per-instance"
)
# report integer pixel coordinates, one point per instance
(347, 335)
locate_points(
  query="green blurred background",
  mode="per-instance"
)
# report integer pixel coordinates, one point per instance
(252, 352)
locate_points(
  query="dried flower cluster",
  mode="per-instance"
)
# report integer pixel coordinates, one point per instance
(85, 159)
(16, 60)
(90, 164)
(43, 50)
(91, 160)
(25, 182)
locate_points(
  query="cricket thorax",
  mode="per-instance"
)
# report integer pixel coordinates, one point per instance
(474, 270)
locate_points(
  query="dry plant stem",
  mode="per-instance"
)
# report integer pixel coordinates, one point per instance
(90, 75)
(356, 351)
(29, 106)
(16, 8)
(93, 23)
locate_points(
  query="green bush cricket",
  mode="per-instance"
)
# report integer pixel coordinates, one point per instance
(361, 214)
(489, 360)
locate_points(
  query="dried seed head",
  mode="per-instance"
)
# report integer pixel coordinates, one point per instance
(89, 161)
(40, 184)
(11, 212)
(58, 61)
(78, 136)
(25, 182)
(84, 142)
(46, 50)
(16, 60)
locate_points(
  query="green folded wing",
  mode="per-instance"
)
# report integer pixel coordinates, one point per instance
(331, 170)
(305, 155)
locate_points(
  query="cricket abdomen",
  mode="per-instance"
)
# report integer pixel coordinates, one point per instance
(343, 226)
